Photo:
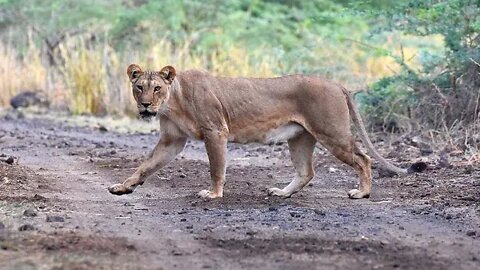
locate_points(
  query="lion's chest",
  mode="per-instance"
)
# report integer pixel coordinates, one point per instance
(266, 135)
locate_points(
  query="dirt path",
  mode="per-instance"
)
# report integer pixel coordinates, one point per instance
(428, 221)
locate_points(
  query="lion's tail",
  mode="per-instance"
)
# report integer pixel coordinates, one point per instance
(357, 120)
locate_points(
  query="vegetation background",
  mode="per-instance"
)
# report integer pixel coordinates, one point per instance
(414, 65)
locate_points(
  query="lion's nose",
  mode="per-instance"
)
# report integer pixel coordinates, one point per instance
(146, 104)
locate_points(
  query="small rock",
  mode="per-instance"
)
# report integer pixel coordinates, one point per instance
(26, 227)
(272, 208)
(471, 233)
(27, 98)
(270, 175)
(417, 167)
(332, 169)
(37, 197)
(295, 214)
(177, 253)
(183, 220)
(182, 175)
(30, 213)
(10, 160)
(319, 212)
(55, 219)
(251, 233)
(102, 128)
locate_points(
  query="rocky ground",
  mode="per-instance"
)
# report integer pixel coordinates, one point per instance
(56, 212)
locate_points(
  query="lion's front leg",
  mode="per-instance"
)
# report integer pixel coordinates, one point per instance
(167, 148)
(216, 145)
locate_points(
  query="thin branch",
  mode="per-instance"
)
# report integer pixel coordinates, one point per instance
(475, 62)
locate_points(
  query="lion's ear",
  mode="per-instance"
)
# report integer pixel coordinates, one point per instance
(168, 73)
(133, 72)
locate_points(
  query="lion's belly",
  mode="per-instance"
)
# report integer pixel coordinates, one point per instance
(276, 134)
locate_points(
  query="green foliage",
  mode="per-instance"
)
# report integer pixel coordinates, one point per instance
(456, 20)
(350, 41)
(294, 30)
(435, 88)
(387, 102)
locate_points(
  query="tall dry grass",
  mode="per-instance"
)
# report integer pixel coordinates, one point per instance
(90, 78)
(83, 73)
(20, 73)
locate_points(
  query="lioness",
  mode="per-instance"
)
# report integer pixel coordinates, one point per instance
(303, 110)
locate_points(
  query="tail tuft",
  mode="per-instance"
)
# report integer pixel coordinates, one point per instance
(417, 167)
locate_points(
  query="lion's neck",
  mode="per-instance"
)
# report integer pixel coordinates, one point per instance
(176, 101)
(176, 87)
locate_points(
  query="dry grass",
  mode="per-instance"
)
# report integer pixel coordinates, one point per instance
(90, 78)
(83, 73)
(19, 73)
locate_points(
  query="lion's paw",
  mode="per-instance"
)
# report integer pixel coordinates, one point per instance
(358, 194)
(119, 189)
(278, 192)
(207, 194)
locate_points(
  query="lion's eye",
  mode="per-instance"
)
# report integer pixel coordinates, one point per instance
(157, 88)
(139, 87)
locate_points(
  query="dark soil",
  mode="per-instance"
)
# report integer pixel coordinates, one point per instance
(56, 212)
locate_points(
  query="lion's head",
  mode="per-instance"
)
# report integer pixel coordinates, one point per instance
(151, 89)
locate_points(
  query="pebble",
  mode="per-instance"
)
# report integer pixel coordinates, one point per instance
(30, 213)
(332, 169)
(177, 253)
(272, 208)
(10, 160)
(37, 197)
(55, 219)
(295, 214)
(471, 233)
(26, 227)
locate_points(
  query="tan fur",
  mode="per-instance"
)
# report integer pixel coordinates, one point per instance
(303, 110)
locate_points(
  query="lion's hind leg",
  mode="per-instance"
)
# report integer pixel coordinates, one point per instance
(301, 152)
(350, 154)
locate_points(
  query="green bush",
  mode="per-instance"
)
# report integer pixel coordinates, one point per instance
(444, 93)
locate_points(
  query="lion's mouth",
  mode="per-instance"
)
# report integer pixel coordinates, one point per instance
(147, 114)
